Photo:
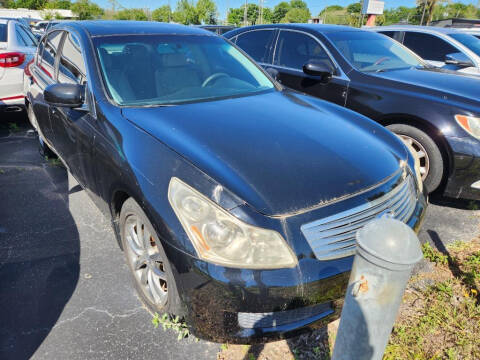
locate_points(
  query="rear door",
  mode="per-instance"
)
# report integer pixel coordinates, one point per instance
(74, 128)
(429, 47)
(43, 74)
(295, 49)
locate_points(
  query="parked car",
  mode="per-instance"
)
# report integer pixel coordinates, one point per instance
(218, 29)
(472, 31)
(228, 212)
(441, 47)
(17, 48)
(436, 112)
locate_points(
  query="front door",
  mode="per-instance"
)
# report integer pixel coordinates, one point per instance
(295, 49)
(74, 128)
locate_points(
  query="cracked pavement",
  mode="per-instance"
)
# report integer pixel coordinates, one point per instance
(65, 290)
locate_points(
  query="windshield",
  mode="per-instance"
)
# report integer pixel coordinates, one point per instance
(171, 69)
(372, 52)
(469, 41)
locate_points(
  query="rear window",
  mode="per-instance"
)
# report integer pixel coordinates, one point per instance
(3, 32)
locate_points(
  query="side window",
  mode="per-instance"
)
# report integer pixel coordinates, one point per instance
(296, 49)
(23, 36)
(28, 33)
(256, 44)
(47, 62)
(71, 68)
(428, 46)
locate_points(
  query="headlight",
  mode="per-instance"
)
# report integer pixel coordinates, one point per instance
(221, 238)
(470, 123)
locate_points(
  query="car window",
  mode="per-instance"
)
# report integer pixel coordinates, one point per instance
(256, 44)
(71, 67)
(23, 36)
(3, 32)
(469, 41)
(49, 53)
(29, 33)
(145, 70)
(388, 33)
(427, 46)
(371, 52)
(295, 49)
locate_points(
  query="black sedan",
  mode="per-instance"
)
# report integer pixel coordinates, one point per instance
(438, 113)
(236, 202)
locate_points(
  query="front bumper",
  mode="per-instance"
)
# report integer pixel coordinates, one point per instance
(247, 306)
(465, 171)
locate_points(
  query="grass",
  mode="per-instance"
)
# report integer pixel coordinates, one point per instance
(443, 320)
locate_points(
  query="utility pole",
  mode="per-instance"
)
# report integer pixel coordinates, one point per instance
(423, 13)
(260, 2)
(245, 23)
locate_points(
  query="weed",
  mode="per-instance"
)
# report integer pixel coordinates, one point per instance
(251, 356)
(169, 322)
(53, 161)
(2, 171)
(224, 347)
(434, 255)
(472, 205)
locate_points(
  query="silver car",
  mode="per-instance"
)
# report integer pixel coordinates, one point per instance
(441, 47)
(17, 48)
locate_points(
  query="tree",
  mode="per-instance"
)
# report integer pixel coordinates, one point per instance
(355, 8)
(279, 11)
(86, 10)
(206, 12)
(330, 8)
(296, 15)
(185, 13)
(26, 4)
(162, 14)
(131, 14)
(298, 4)
(253, 12)
(267, 16)
(235, 16)
(58, 4)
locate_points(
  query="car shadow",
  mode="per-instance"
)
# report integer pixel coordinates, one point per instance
(461, 204)
(39, 245)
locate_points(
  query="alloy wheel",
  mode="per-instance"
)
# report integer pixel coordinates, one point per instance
(421, 154)
(146, 261)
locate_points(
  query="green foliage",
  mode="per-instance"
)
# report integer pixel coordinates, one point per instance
(279, 11)
(330, 8)
(434, 255)
(86, 10)
(206, 12)
(354, 8)
(174, 323)
(26, 4)
(235, 17)
(296, 15)
(162, 14)
(131, 14)
(267, 16)
(58, 4)
(185, 13)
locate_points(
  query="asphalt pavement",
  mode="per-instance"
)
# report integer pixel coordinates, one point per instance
(65, 290)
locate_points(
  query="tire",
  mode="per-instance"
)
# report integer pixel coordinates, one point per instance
(432, 164)
(149, 266)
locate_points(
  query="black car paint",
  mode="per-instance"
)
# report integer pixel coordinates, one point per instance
(427, 98)
(118, 152)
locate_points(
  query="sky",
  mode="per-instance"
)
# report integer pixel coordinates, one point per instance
(315, 6)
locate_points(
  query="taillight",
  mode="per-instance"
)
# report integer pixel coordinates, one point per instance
(11, 59)
(27, 68)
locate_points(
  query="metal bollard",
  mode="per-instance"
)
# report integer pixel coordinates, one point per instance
(387, 250)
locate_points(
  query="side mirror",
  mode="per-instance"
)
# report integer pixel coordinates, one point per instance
(318, 69)
(272, 72)
(65, 95)
(458, 59)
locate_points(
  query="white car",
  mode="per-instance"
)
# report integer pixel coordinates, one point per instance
(17, 48)
(447, 48)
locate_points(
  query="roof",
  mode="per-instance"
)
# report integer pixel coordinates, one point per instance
(308, 27)
(414, 27)
(127, 27)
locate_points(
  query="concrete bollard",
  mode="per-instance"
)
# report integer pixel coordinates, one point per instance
(387, 250)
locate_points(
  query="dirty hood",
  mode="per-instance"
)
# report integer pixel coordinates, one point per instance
(280, 152)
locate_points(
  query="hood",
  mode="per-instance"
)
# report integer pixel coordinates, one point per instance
(438, 82)
(278, 151)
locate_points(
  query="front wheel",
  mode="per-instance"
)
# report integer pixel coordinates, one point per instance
(146, 258)
(427, 152)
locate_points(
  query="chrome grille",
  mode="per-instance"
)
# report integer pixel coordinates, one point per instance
(333, 237)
